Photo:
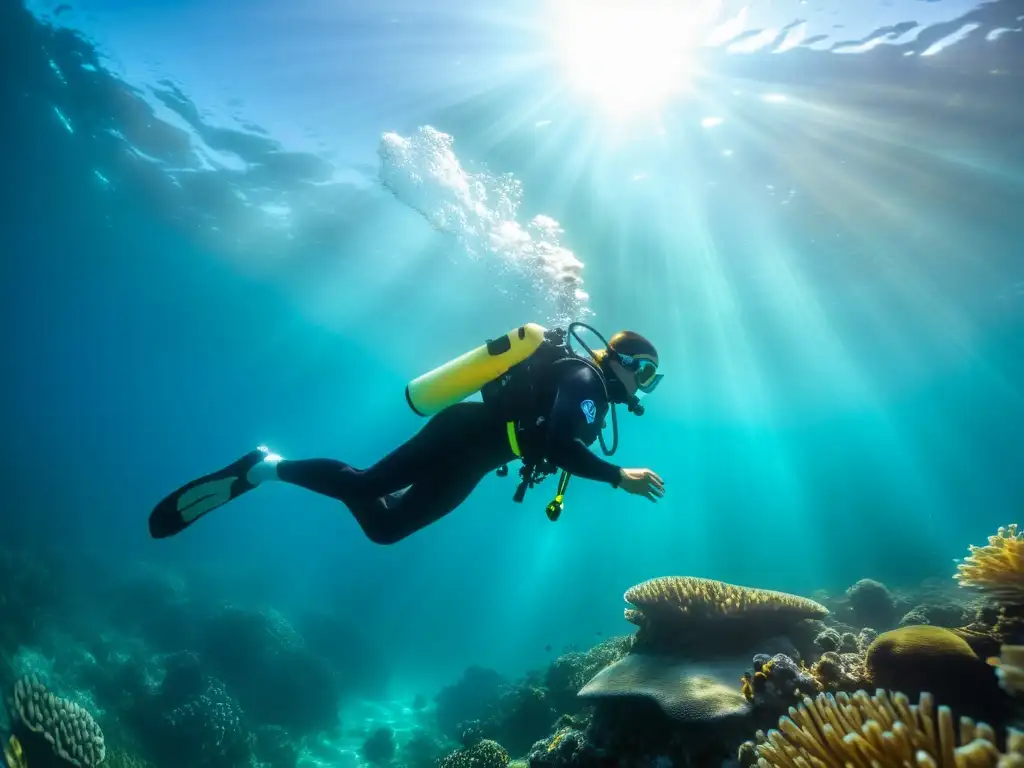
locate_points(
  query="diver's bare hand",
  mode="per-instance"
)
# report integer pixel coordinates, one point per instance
(642, 482)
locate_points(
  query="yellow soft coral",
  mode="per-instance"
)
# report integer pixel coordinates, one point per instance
(881, 731)
(1009, 666)
(997, 569)
(13, 754)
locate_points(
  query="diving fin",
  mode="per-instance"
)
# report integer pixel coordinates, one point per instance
(190, 502)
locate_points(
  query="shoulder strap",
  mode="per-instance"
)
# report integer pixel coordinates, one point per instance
(574, 358)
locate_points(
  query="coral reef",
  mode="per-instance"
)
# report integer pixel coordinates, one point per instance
(210, 728)
(477, 691)
(997, 569)
(776, 682)
(880, 730)
(680, 611)
(46, 723)
(839, 672)
(379, 747)
(872, 604)
(265, 661)
(422, 750)
(484, 754)
(232, 685)
(684, 690)
(571, 671)
(939, 614)
(695, 641)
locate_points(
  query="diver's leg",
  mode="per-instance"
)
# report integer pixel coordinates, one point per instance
(398, 515)
(445, 435)
(437, 474)
(449, 434)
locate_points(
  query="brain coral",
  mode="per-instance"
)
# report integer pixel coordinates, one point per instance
(70, 731)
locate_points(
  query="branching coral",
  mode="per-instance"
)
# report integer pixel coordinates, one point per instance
(997, 570)
(881, 731)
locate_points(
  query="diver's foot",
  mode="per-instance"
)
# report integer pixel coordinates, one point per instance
(195, 499)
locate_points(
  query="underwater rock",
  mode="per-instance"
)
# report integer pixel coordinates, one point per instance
(865, 638)
(937, 614)
(568, 673)
(379, 747)
(872, 604)
(839, 672)
(522, 715)
(848, 643)
(422, 750)
(355, 660)
(685, 690)
(266, 664)
(470, 698)
(828, 640)
(777, 682)
(567, 747)
(471, 732)
(31, 593)
(155, 605)
(273, 747)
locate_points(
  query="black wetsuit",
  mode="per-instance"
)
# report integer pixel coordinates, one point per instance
(435, 471)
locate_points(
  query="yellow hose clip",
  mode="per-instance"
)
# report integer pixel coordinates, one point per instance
(555, 506)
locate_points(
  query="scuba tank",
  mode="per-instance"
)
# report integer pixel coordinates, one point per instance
(466, 375)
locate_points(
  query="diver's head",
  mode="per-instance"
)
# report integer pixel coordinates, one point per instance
(633, 361)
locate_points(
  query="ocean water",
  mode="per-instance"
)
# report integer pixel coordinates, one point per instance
(228, 224)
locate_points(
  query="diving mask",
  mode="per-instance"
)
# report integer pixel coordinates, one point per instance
(644, 369)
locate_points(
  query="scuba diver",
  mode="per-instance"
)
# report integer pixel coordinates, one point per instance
(542, 402)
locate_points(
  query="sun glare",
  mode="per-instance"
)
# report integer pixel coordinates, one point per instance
(629, 57)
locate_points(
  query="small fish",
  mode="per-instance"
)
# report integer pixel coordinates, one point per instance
(548, 648)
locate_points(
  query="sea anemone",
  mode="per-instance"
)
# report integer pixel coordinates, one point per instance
(997, 570)
(882, 731)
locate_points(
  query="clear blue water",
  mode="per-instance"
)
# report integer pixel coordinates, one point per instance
(228, 223)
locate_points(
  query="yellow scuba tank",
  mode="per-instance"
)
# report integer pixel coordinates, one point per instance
(457, 379)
